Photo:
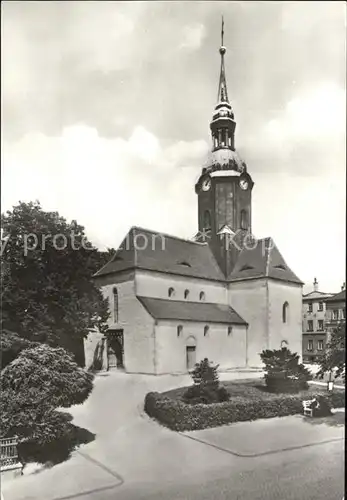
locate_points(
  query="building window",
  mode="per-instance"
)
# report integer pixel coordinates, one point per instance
(309, 307)
(320, 325)
(230, 330)
(285, 311)
(310, 325)
(186, 294)
(310, 345)
(320, 306)
(320, 345)
(115, 305)
(202, 296)
(206, 330)
(179, 330)
(335, 314)
(244, 219)
(343, 313)
(207, 219)
(171, 292)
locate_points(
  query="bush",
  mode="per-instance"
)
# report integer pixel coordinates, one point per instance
(179, 416)
(37, 382)
(206, 388)
(50, 373)
(283, 372)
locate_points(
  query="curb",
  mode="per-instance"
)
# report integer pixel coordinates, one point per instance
(262, 454)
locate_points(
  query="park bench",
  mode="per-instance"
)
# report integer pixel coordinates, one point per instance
(307, 407)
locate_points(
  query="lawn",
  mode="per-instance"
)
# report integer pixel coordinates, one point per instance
(250, 390)
(249, 400)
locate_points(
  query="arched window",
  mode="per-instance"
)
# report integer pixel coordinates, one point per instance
(230, 330)
(244, 219)
(202, 296)
(186, 294)
(171, 292)
(179, 330)
(207, 220)
(115, 305)
(206, 330)
(285, 312)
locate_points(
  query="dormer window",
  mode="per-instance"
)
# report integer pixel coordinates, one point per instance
(202, 296)
(186, 294)
(184, 263)
(281, 267)
(171, 292)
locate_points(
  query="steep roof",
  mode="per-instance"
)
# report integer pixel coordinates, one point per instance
(145, 249)
(338, 297)
(263, 260)
(191, 311)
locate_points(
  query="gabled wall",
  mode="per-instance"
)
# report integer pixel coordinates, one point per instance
(250, 299)
(136, 322)
(291, 331)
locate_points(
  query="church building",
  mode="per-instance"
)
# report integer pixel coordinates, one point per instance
(224, 295)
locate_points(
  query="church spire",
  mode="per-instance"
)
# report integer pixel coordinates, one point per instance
(223, 124)
(222, 88)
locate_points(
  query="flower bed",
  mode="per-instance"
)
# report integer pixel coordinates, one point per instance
(248, 402)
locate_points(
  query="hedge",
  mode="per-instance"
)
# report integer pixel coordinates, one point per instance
(179, 416)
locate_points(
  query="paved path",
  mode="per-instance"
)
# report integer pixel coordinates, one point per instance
(132, 456)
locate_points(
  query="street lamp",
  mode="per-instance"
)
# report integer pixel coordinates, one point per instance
(330, 384)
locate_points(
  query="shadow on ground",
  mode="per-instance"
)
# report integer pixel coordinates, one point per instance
(337, 419)
(57, 451)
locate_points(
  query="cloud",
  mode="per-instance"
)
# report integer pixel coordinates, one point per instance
(306, 138)
(106, 184)
(193, 36)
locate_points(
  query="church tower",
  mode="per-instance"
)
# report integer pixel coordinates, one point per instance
(224, 187)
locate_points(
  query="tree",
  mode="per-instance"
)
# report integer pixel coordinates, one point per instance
(334, 358)
(11, 345)
(48, 374)
(206, 388)
(46, 268)
(283, 372)
(34, 385)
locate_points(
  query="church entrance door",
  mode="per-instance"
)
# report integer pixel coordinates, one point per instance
(190, 353)
(115, 350)
(191, 357)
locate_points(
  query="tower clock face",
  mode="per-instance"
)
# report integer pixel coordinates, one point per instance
(206, 184)
(243, 184)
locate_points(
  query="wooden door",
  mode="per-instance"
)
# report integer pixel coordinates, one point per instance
(191, 357)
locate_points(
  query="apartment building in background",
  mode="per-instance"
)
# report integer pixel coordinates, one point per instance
(314, 324)
(336, 310)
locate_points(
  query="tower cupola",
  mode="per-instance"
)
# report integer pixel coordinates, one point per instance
(223, 123)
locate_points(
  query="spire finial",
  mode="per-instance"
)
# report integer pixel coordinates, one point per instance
(222, 32)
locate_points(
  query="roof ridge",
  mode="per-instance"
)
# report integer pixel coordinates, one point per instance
(267, 266)
(168, 235)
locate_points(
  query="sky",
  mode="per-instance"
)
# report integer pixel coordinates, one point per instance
(106, 109)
